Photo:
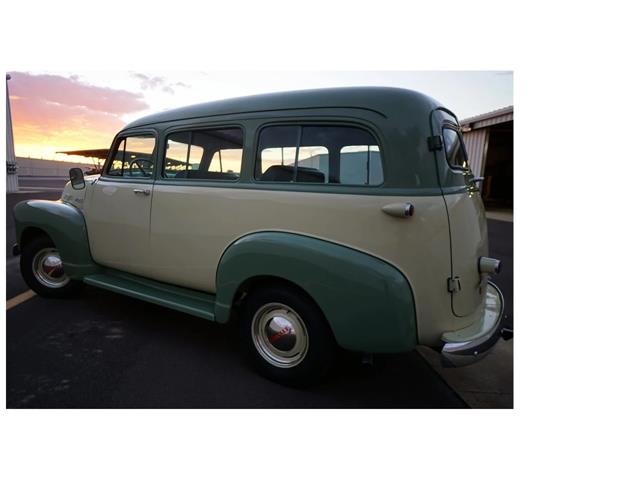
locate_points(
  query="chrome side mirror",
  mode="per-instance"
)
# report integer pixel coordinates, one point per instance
(77, 178)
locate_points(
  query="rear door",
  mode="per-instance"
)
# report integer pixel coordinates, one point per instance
(192, 219)
(467, 224)
(119, 209)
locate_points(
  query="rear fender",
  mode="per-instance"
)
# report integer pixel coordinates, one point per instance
(367, 302)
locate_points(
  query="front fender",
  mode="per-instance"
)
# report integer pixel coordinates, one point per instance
(66, 227)
(367, 302)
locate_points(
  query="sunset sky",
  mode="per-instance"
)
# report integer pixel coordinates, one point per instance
(57, 111)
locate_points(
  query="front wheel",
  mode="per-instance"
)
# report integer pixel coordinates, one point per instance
(42, 270)
(287, 335)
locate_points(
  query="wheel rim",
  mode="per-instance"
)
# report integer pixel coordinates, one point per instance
(279, 335)
(48, 269)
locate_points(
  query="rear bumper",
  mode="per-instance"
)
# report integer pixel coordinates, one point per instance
(470, 344)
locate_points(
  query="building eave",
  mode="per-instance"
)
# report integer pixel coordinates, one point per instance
(500, 115)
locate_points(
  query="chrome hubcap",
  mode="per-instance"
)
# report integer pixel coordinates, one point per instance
(279, 335)
(48, 269)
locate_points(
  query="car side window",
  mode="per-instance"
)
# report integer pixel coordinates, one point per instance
(181, 155)
(211, 154)
(318, 154)
(133, 157)
(361, 165)
(453, 148)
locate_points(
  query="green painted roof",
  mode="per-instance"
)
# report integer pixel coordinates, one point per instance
(400, 117)
(386, 101)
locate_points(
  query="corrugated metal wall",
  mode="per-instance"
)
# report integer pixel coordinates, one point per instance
(476, 143)
(47, 168)
(507, 117)
(477, 140)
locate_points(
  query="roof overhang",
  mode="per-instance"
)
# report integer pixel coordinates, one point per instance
(100, 153)
(484, 120)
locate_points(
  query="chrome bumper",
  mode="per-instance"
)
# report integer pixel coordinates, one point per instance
(470, 344)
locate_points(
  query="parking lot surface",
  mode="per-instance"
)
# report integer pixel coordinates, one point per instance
(102, 350)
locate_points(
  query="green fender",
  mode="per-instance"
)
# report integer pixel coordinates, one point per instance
(367, 302)
(65, 225)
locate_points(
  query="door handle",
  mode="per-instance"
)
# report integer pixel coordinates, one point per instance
(139, 191)
(402, 210)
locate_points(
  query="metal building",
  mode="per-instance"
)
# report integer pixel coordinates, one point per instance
(489, 142)
(12, 169)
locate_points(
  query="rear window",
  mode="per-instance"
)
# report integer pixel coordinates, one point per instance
(453, 148)
(318, 154)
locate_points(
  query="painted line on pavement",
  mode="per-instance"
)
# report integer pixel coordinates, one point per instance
(18, 299)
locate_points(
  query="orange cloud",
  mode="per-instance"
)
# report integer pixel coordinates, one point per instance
(52, 113)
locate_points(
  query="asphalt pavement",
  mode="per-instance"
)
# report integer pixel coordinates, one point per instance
(103, 350)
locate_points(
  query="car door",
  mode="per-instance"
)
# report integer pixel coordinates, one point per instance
(467, 224)
(119, 208)
(190, 222)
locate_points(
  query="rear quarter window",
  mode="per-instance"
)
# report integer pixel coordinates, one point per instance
(329, 154)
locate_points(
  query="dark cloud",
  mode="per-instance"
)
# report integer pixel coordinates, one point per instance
(154, 82)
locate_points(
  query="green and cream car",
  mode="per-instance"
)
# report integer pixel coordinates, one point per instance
(324, 219)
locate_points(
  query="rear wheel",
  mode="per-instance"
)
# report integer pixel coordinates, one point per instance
(287, 335)
(43, 271)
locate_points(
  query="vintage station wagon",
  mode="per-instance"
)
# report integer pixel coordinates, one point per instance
(323, 219)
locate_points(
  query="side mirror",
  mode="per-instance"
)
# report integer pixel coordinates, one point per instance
(77, 178)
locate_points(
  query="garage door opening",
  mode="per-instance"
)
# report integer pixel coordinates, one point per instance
(497, 191)
(489, 142)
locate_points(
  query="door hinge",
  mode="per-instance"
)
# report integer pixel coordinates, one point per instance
(454, 285)
(434, 142)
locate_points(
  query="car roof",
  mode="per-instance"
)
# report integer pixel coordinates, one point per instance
(385, 101)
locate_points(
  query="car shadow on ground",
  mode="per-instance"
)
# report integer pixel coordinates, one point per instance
(104, 350)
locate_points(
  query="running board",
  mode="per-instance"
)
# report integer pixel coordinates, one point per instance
(184, 300)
